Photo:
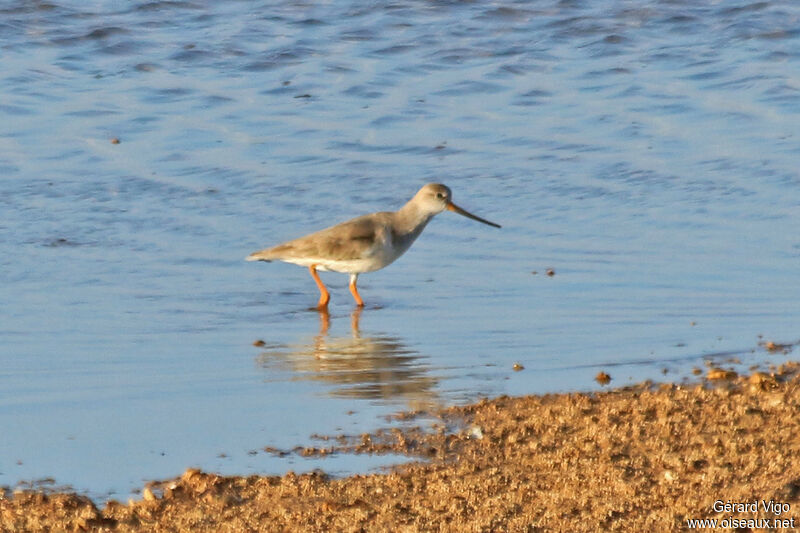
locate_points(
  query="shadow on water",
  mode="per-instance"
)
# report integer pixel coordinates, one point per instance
(371, 367)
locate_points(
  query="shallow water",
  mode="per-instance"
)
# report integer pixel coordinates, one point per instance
(645, 151)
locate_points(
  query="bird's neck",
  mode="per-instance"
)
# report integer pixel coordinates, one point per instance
(410, 220)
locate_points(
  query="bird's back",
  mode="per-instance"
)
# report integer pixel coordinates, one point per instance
(353, 240)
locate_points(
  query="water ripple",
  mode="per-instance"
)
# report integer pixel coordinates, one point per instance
(647, 151)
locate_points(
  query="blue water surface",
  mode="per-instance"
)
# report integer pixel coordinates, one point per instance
(646, 151)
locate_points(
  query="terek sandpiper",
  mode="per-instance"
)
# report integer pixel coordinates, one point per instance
(365, 243)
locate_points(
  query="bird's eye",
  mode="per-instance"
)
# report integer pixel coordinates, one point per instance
(439, 195)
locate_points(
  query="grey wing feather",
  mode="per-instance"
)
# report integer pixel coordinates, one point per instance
(346, 241)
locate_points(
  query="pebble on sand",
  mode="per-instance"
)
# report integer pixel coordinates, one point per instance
(720, 374)
(775, 347)
(602, 378)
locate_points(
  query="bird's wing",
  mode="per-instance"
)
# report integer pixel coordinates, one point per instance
(354, 239)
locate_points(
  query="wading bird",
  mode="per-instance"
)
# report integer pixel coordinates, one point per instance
(366, 243)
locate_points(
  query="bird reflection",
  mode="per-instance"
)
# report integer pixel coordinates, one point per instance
(371, 367)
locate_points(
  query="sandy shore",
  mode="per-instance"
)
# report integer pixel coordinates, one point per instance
(643, 458)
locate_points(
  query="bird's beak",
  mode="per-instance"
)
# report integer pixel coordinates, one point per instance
(453, 207)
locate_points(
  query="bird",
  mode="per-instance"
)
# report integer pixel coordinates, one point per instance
(366, 243)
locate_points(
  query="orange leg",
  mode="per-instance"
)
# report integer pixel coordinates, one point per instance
(354, 290)
(355, 316)
(324, 321)
(324, 297)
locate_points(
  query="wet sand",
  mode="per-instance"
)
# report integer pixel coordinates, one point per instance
(642, 458)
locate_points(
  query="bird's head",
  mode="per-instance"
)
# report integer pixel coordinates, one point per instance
(434, 198)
